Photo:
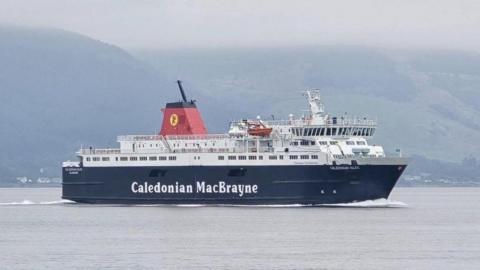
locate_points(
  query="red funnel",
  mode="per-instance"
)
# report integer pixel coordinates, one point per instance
(182, 118)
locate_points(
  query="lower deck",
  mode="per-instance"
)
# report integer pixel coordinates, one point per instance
(259, 185)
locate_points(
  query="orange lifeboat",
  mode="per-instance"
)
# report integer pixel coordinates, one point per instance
(258, 129)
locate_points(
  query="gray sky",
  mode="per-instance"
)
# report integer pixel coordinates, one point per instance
(172, 24)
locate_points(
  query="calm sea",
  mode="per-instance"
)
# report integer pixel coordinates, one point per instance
(418, 228)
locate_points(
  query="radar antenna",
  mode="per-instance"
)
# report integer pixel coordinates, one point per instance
(314, 100)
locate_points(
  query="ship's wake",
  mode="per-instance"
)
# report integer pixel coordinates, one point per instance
(378, 203)
(28, 202)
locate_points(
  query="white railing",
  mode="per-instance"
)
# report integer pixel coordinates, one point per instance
(95, 151)
(171, 137)
(331, 121)
(139, 138)
(198, 137)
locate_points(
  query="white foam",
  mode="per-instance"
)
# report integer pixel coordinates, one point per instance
(57, 202)
(371, 203)
(28, 202)
(379, 203)
(24, 202)
(166, 205)
(267, 205)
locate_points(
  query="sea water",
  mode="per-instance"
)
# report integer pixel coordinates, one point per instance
(416, 228)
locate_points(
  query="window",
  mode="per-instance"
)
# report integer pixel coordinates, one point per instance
(221, 158)
(252, 157)
(360, 143)
(143, 158)
(312, 143)
(353, 131)
(232, 157)
(88, 159)
(116, 158)
(260, 157)
(333, 142)
(348, 131)
(329, 131)
(304, 143)
(272, 157)
(322, 142)
(152, 158)
(133, 158)
(293, 157)
(96, 158)
(105, 159)
(294, 143)
(242, 157)
(172, 158)
(322, 131)
(304, 157)
(350, 143)
(314, 157)
(123, 158)
(162, 158)
(281, 156)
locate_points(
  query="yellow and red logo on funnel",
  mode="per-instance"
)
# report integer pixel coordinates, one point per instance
(173, 119)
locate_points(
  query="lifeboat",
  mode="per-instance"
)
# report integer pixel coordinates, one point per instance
(258, 129)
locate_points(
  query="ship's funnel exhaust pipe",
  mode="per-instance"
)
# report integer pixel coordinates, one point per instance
(182, 117)
(184, 97)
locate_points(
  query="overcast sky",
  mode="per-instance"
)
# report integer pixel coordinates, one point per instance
(173, 24)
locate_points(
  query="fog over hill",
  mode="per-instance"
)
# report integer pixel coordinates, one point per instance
(60, 90)
(427, 103)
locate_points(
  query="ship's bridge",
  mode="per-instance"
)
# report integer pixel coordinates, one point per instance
(330, 126)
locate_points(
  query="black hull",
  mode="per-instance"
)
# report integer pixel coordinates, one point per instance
(275, 185)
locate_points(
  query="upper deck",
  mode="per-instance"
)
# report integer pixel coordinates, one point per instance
(342, 121)
(318, 134)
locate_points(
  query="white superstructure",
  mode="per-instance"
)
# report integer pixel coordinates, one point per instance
(319, 139)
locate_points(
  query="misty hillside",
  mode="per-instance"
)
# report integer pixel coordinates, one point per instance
(60, 90)
(427, 103)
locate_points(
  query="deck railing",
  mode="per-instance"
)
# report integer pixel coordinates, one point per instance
(332, 121)
(171, 137)
(95, 151)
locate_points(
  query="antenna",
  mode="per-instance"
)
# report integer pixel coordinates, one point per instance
(184, 97)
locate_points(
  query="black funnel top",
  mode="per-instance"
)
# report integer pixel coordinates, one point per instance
(184, 97)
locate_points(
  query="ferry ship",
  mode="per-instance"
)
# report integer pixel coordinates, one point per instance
(312, 160)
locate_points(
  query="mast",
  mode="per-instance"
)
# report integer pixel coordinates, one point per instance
(314, 100)
(184, 97)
